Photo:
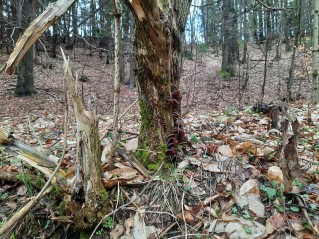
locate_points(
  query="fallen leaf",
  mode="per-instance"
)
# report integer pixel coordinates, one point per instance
(248, 195)
(128, 224)
(138, 229)
(245, 148)
(117, 232)
(225, 150)
(122, 173)
(11, 204)
(275, 174)
(131, 145)
(22, 190)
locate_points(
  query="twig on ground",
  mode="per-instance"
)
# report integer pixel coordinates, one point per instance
(125, 205)
(312, 226)
(163, 233)
(7, 229)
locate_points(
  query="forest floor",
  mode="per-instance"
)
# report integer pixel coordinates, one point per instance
(228, 185)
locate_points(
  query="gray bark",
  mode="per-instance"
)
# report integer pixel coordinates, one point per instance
(25, 83)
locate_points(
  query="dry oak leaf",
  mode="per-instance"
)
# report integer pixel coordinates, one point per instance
(188, 217)
(275, 222)
(191, 214)
(245, 148)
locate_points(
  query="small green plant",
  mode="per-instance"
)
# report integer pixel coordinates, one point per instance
(229, 110)
(294, 209)
(313, 206)
(99, 232)
(108, 223)
(234, 210)
(304, 142)
(199, 236)
(194, 138)
(203, 48)
(47, 224)
(280, 208)
(299, 184)
(247, 230)
(224, 74)
(2, 222)
(26, 179)
(273, 192)
(4, 196)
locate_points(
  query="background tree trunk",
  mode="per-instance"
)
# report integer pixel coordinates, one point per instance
(25, 84)
(117, 71)
(230, 44)
(314, 92)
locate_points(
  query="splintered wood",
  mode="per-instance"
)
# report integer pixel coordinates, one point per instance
(35, 30)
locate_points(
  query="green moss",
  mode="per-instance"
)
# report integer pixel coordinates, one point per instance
(61, 208)
(145, 147)
(39, 182)
(57, 191)
(31, 225)
(85, 235)
(104, 196)
(145, 115)
(144, 157)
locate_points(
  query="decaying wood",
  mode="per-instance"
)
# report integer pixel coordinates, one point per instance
(7, 229)
(35, 30)
(88, 159)
(28, 154)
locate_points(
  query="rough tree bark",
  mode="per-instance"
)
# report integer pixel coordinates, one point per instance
(116, 87)
(25, 83)
(230, 44)
(314, 91)
(159, 27)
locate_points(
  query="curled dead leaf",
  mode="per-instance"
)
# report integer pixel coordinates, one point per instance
(245, 148)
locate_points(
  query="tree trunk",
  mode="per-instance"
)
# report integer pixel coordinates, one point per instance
(158, 50)
(286, 27)
(117, 72)
(2, 36)
(132, 52)
(25, 84)
(230, 44)
(314, 92)
(293, 56)
(267, 46)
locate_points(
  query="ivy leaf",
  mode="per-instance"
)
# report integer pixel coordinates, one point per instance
(187, 188)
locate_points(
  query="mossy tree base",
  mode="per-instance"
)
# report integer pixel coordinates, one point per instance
(158, 60)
